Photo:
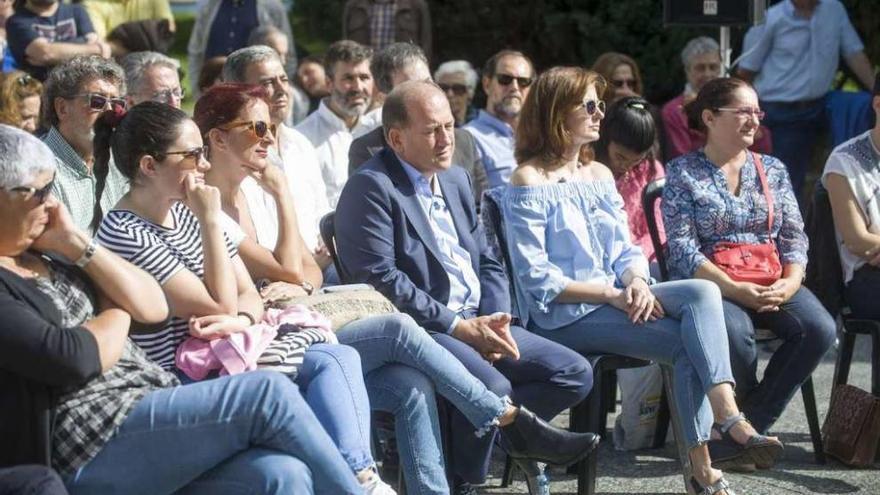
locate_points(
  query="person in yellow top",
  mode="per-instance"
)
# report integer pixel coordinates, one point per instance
(107, 14)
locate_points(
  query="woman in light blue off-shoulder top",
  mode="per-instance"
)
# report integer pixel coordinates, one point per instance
(580, 281)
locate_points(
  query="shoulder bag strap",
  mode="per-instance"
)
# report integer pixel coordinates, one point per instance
(768, 195)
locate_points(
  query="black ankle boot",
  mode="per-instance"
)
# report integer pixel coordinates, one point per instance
(530, 437)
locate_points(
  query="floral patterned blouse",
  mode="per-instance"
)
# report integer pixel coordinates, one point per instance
(699, 211)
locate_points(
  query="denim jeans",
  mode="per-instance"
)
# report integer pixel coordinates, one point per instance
(691, 338)
(861, 293)
(31, 479)
(243, 434)
(794, 129)
(404, 367)
(807, 332)
(547, 378)
(332, 382)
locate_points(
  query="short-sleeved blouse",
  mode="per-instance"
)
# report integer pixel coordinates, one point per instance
(699, 211)
(161, 252)
(562, 233)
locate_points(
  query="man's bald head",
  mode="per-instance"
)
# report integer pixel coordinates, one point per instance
(419, 125)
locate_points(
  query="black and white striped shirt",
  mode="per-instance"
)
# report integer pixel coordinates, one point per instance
(161, 252)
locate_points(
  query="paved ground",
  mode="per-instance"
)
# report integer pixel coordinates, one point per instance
(658, 471)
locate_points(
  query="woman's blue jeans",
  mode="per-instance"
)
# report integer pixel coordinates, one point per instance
(246, 434)
(807, 332)
(404, 367)
(691, 338)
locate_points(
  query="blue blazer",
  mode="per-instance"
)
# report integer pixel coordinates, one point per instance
(384, 238)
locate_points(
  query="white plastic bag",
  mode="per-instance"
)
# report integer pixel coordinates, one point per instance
(640, 390)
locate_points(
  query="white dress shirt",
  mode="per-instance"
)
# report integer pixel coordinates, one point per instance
(331, 139)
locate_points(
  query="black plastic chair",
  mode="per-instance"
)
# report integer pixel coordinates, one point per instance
(654, 192)
(327, 226)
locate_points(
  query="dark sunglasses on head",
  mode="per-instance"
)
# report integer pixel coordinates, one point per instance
(25, 79)
(458, 89)
(257, 127)
(195, 153)
(32, 192)
(592, 105)
(99, 102)
(507, 79)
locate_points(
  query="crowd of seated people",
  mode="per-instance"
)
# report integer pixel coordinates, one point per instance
(156, 267)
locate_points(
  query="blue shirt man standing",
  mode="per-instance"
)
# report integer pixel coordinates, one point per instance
(792, 59)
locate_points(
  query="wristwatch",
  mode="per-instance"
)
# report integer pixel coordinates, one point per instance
(308, 287)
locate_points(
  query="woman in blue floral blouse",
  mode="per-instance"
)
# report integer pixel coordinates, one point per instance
(714, 195)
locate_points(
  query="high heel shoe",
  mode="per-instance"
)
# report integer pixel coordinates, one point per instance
(720, 486)
(760, 450)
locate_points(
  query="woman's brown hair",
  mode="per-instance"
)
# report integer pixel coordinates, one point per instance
(605, 65)
(15, 86)
(715, 94)
(541, 131)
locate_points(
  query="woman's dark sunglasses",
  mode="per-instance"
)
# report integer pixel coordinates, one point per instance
(99, 102)
(32, 192)
(592, 105)
(196, 153)
(257, 127)
(506, 80)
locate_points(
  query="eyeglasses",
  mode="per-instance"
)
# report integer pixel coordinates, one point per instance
(257, 127)
(167, 95)
(745, 112)
(99, 102)
(591, 106)
(619, 83)
(195, 154)
(507, 79)
(457, 89)
(41, 193)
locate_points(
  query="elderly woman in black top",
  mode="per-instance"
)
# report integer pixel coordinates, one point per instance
(76, 393)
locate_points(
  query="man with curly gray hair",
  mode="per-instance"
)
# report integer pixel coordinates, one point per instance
(75, 95)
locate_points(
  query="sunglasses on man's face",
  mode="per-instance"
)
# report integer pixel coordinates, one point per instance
(591, 106)
(99, 102)
(457, 89)
(619, 83)
(258, 128)
(507, 80)
(41, 194)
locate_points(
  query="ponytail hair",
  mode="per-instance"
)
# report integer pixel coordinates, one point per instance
(628, 123)
(715, 94)
(147, 129)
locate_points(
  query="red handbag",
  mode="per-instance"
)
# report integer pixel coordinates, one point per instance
(755, 263)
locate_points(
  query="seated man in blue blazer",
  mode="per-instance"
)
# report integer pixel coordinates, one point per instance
(406, 224)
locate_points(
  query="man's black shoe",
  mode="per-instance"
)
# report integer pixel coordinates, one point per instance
(530, 437)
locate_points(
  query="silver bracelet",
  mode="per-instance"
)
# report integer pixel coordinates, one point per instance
(87, 254)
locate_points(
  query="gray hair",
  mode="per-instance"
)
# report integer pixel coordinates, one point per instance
(22, 157)
(66, 79)
(393, 58)
(260, 35)
(136, 64)
(238, 61)
(698, 46)
(459, 66)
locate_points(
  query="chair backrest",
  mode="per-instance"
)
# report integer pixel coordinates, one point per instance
(490, 212)
(824, 275)
(652, 193)
(328, 235)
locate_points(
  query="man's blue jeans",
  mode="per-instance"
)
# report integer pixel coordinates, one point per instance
(794, 129)
(807, 332)
(404, 367)
(244, 434)
(691, 337)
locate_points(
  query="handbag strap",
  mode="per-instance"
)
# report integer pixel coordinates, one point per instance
(762, 176)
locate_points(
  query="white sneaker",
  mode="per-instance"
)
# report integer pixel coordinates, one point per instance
(375, 486)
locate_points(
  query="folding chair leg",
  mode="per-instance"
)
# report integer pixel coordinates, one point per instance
(588, 468)
(507, 476)
(875, 363)
(809, 397)
(844, 358)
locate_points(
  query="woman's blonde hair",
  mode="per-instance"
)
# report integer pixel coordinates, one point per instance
(541, 132)
(15, 86)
